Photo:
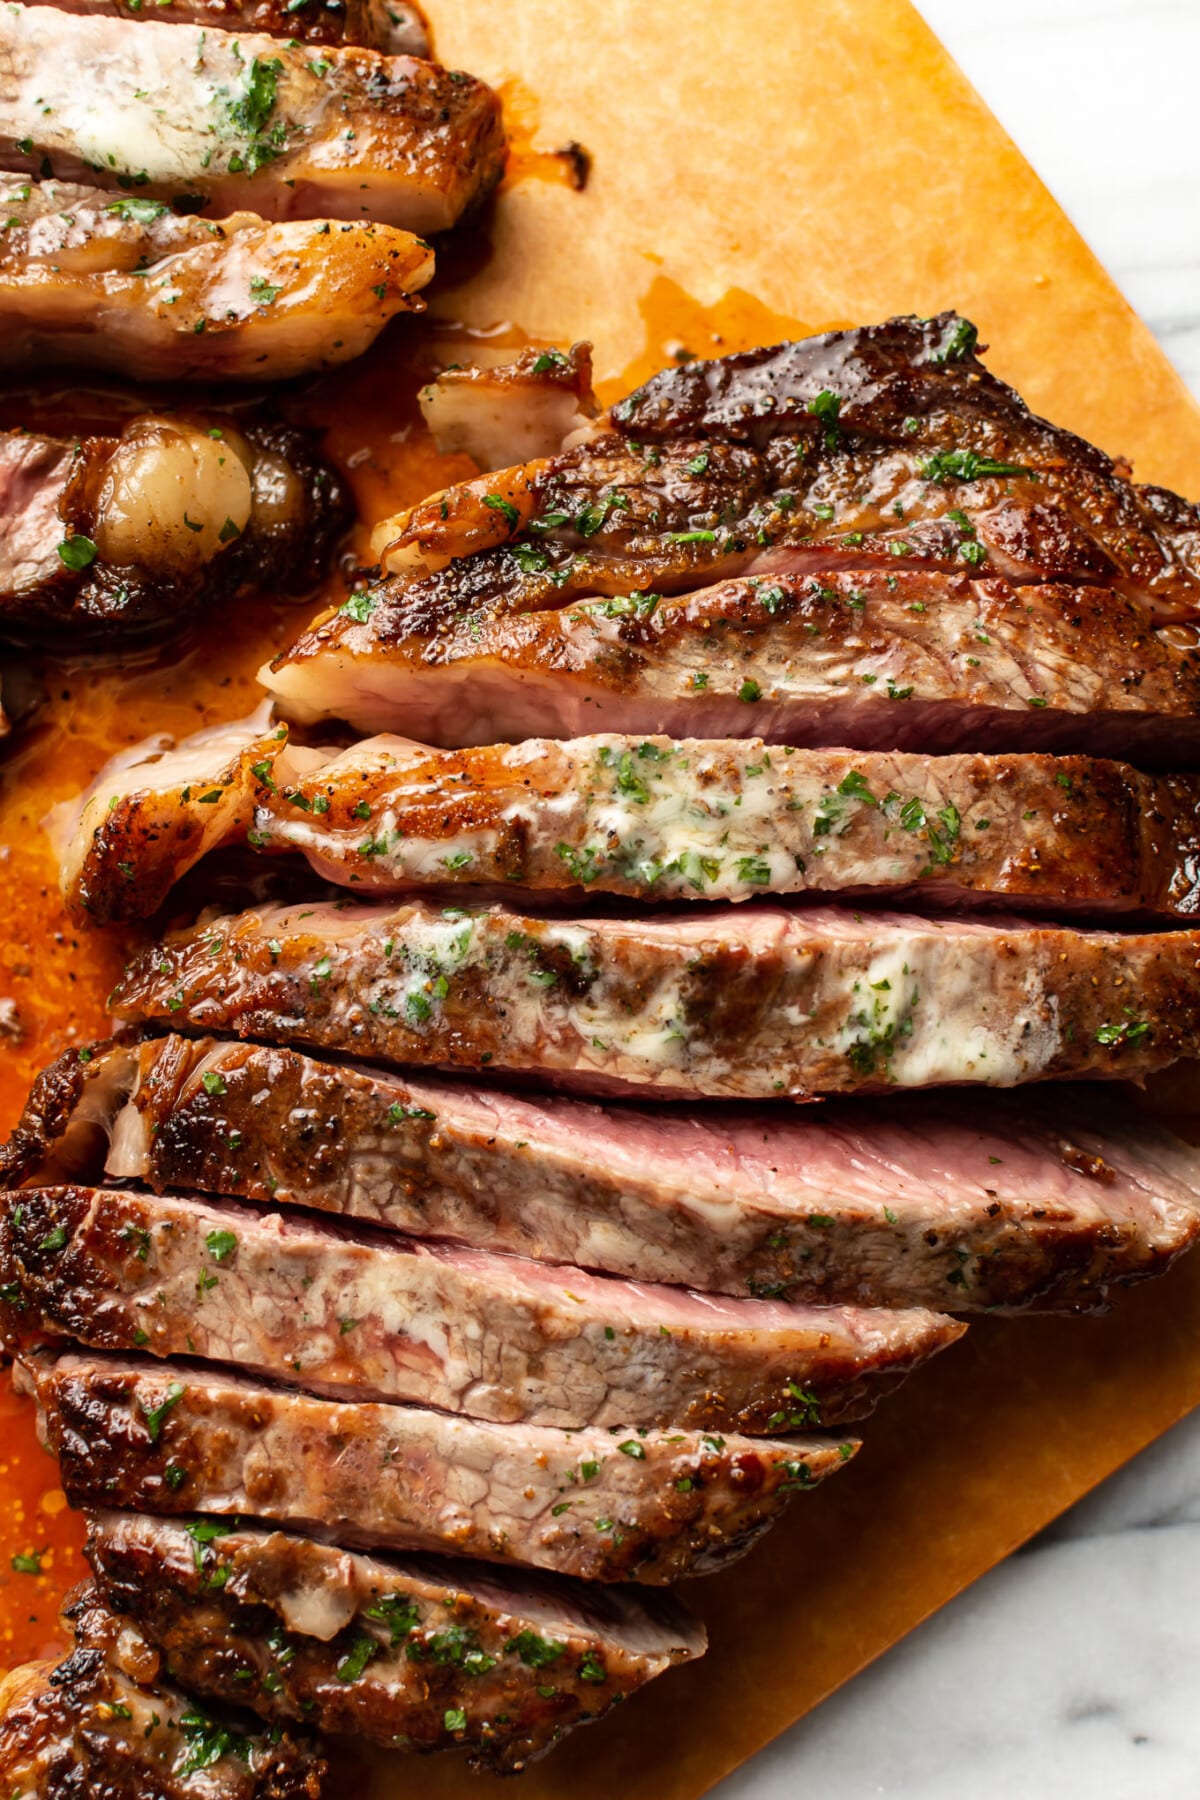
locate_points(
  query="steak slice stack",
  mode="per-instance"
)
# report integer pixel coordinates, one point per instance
(407, 1651)
(739, 1002)
(1042, 1201)
(652, 1506)
(838, 619)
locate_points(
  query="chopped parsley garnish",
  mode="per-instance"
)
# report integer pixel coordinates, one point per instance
(77, 553)
(826, 407)
(154, 1415)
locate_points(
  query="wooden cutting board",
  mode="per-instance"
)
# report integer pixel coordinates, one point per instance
(756, 170)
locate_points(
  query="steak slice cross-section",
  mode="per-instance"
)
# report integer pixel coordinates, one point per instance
(372, 1316)
(915, 660)
(416, 1653)
(739, 1002)
(1042, 1199)
(658, 819)
(119, 281)
(172, 511)
(255, 121)
(653, 1506)
(106, 1725)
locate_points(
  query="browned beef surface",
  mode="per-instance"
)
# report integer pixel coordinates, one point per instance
(104, 1725)
(357, 1314)
(58, 570)
(651, 1506)
(738, 1002)
(411, 1652)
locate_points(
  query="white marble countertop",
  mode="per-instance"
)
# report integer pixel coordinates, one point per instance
(1072, 1669)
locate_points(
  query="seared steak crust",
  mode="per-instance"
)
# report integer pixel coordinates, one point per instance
(413, 1653)
(888, 447)
(658, 819)
(491, 1337)
(670, 1504)
(741, 1002)
(104, 1726)
(52, 491)
(872, 1203)
(916, 660)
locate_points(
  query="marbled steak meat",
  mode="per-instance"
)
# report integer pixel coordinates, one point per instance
(1041, 1199)
(139, 529)
(886, 449)
(422, 1652)
(184, 1438)
(107, 1725)
(741, 1002)
(356, 1314)
(731, 819)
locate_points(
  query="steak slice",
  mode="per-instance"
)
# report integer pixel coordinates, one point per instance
(741, 1002)
(415, 1653)
(655, 818)
(884, 448)
(256, 121)
(652, 1507)
(360, 1315)
(173, 512)
(104, 1725)
(82, 271)
(393, 25)
(1038, 1201)
(916, 660)
(663, 819)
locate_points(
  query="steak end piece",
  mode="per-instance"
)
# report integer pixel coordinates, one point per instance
(412, 1653)
(106, 1725)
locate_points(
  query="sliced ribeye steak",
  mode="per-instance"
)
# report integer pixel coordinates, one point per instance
(652, 1506)
(137, 529)
(887, 448)
(414, 1652)
(741, 1002)
(255, 121)
(83, 273)
(359, 1314)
